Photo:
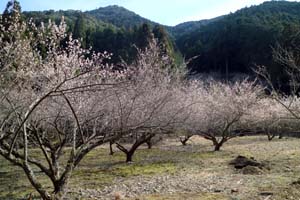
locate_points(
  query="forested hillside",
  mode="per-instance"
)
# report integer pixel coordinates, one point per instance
(188, 27)
(240, 41)
(119, 16)
(105, 30)
(233, 43)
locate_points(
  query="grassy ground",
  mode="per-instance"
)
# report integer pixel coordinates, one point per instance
(171, 171)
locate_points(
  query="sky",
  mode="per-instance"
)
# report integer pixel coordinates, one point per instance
(166, 12)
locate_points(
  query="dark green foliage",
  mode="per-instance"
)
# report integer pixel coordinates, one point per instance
(113, 29)
(167, 45)
(143, 35)
(119, 17)
(240, 41)
(80, 30)
(123, 43)
(71, 18)
(228, 44)
(187, 27)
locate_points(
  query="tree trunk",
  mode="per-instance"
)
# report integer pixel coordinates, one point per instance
(218, 146)
(129, 153)
(270, 137)
(57, 196)
(129, 156)
(60, 187)
(39, 188)
(61, 184)
(184, 140)
(227, 70)
(149, 144)
(111, 151)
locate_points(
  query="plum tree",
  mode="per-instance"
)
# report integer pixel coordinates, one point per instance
(220, 109)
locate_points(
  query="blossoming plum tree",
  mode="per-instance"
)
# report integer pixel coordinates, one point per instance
(218, 113)
(55, 102)
(61, 101)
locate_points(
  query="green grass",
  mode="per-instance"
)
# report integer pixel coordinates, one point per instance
(98, 169)
(13, 182)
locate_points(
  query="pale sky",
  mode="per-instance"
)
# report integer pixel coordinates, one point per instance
(167, 12)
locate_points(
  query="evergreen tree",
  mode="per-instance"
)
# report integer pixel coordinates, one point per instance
(11, 13)
(13, 8)
(144, 36)
(79, 31)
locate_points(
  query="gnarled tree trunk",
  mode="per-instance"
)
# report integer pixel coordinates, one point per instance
(138, 142)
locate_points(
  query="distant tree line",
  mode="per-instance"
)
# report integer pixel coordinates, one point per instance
(235, 43)
(122, 42)
(238, 42)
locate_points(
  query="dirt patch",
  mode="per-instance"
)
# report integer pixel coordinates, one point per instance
(248, 165)
(251, 170)
(296, 183)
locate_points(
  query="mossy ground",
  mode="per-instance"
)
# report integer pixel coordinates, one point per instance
(99, 169)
